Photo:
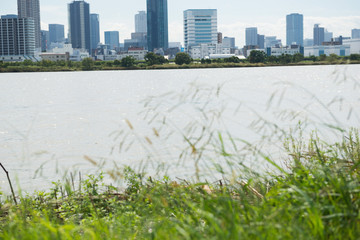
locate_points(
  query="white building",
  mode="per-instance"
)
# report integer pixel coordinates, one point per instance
(141, 22)
(200, 27)
(79, 55)
(63, 48)
(205, 50)
(288, 50)
(55, 56)
(354, 45)
(340, 50)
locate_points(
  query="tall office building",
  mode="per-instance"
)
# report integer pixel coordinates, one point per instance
(219, 37)
(251, 36)
(327, 36)
(94, 30)
(157, 24)
(31, 9)
(261, 41)
(56, 33)
(44, 40)
(141, 22)
(228, 42)
(112, 39)
(17, 36)
(319, 35)
(79, 25)
(200, 26)
(355, 33)
(295, 29)
(308, 42)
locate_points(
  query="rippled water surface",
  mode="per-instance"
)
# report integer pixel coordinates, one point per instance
(49, 121)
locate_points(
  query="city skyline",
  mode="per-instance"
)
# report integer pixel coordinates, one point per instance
(233, 16)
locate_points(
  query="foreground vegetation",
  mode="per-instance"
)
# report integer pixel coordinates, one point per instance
(317, 196)
(182, 61)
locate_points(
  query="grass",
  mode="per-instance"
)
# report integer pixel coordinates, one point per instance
(317, 196)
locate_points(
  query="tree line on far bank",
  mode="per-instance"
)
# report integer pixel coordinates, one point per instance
(152, 59)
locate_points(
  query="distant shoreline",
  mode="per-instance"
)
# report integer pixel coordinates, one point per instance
(23, 69)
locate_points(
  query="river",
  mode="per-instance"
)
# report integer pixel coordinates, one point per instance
(50, 121)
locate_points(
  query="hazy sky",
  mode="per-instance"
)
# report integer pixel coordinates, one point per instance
(234, 16)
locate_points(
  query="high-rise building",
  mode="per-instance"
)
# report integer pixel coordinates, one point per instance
(141, 22)
(219, 37)
(308, 42)
(112, 39)
(228, 42)
(327, 36)
(272, 41)
(157, 24)
(44, 40)
(295, 29)
(261, 41)
(319, 35)
(355, 33)
(56, 33)
(79, 25)
(94, 30)
(31, 9)
(251, 36)
(17, 36)
(200, 27)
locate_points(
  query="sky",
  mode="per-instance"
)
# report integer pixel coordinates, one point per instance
(269, 16)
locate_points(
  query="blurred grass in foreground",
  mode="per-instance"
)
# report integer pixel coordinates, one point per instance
(315, 197)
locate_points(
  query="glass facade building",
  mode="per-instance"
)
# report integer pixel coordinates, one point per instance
(200, 27)
(295, 29)
(31, 9)
(319, 35)
(79, 25)
(44, 40)
(355, 33)
(94, 30)
(56, 33)
(157, 25)
(251, 36)
(112, 39)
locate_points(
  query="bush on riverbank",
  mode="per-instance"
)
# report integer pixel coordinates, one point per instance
(317, 196)
(154, 61)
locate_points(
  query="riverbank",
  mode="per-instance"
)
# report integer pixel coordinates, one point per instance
(107, 66)
(315, 197)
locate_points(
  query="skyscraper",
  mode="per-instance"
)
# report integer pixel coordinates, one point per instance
(79, 25)
(157, 24)
(251, 36)
(17, 36)
(228, 42)
(295, 29)
(261, 41)
(31, 9)
(44, 40)
(94, 30)
(56, 33)
(319, 35)
(327, 36)
(355, 33)
(112, 39)
(200, 26)
(141, 22)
